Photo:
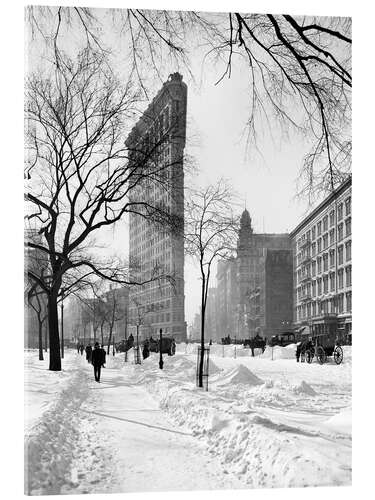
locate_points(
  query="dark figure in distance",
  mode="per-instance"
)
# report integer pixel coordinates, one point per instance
(146, 350)
(81, 348)
(298, 351)
(88, 353)
(78, 347)
(98, 360)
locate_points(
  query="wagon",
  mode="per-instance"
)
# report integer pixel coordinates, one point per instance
(321, 347)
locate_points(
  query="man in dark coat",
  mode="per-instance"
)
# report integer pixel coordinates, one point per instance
(81, 348)
(98, 360)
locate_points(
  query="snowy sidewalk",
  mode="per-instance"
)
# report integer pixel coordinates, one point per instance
(128, 444)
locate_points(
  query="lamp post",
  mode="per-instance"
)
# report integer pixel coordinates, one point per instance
(62, 323)
(161, 362)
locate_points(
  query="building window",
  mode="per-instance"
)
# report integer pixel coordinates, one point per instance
(348, 206)
(325, 262)
(339, 212)
(319, 228)
(340, 303)
(340, 255)
(325, 241)
(314, 288)
(308, 235)
(331, 236)
(309, 310)
(332, 218)
(313, 233)
(348, 250)
(313, 249)
(325, 284)
(332, 282)
(348, 271)
(340, 279)
(340, 230)
(325, 223)
(313, 268)
(319, 281)
(331, 258)
(348, 227)
(349, 301)
(313, 311)
(319, 245)
(319, 260)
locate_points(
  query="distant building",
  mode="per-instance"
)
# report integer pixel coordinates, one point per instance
(211, 319)
(271, 302)
(322, 265)
(247, 286)
(159, 304)
(227, 298)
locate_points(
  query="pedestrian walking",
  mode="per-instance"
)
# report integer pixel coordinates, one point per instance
(98, 360)
(81, 348)
(88, 353)
(78, 347)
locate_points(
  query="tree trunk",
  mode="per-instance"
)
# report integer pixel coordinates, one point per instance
(109, 340)
(54, 340)
(45, 337)
(40, 340)
(200, 370)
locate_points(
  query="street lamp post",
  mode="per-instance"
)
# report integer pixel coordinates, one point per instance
(161, 362)
(62, 323)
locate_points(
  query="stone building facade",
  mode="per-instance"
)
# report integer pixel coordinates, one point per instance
(248, 285)
(322, 265)
(162, 130)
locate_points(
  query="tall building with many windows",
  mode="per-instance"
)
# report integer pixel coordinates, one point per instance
(154, 248)
(322, 265)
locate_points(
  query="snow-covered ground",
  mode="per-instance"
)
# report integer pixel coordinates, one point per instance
(265, 422)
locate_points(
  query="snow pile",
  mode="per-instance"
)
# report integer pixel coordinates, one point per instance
(304, 388)
(239, 375)
(213, 369)
(278, 352)
(341, 422)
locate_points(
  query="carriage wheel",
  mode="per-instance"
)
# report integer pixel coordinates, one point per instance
(309, 356)
(338, 355)
(321, 355)
(302, 357)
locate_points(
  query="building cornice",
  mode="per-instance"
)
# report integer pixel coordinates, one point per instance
(337, 192)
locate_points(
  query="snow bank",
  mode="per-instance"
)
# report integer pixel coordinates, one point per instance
(341, 422)
(238, 375)
(278, 352)
(304, 388)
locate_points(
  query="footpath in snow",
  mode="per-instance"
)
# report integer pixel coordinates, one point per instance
(263, 423)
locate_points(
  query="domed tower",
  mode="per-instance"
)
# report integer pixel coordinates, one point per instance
(244, 254)
(244, 234)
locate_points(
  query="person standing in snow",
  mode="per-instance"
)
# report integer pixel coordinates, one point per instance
(81, 348)
(88, 353)
(98, 360)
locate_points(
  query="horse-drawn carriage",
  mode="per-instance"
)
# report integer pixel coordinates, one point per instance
(282, 339)
(125, 345)
(168, 345)
(256, 342)
(321, 347)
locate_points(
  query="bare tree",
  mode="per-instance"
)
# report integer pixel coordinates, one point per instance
(81, 174)
(211, 231)
(36, 300)
(298, 69)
